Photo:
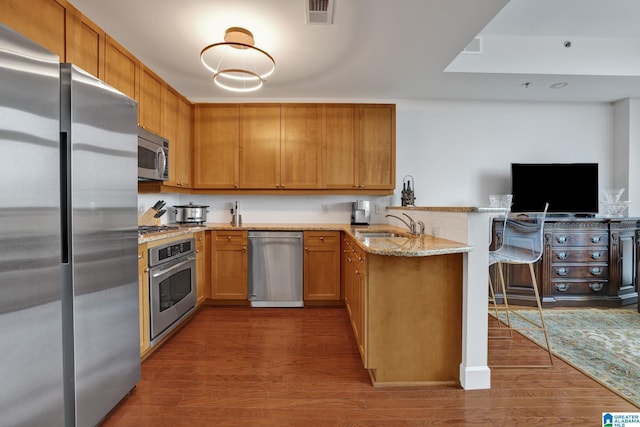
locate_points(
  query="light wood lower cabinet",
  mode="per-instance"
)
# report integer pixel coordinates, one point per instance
(321, 266)
(143, 294)
(355, 288)
(229, 265)
(202, 289)
(406, 315)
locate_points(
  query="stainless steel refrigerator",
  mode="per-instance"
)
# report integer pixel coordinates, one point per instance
(69, 334)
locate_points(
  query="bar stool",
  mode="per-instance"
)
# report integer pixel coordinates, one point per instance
(522, 243)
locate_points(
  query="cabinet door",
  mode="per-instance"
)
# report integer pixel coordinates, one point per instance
(202, 290)
(229, 265)
(341, 128)
(322, 265)
(260, 146)
(169, 128)
(42, 21)
(143, 295)
(121, 69)
(300, 145)
(182, 147)
(377, 146)
(216, 145)
(150, 101)
(85, 43)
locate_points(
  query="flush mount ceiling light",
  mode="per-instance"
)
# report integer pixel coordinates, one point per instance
(236, 64)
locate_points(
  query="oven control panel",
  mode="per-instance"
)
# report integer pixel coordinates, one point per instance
(176, 249)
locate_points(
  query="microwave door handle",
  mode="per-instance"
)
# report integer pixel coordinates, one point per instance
(162, 161)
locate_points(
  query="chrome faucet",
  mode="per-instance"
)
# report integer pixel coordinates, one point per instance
(411, 225)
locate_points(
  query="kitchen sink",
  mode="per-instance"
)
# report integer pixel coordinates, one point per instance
(378, 234)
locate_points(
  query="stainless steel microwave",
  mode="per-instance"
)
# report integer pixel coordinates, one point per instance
(153, 156)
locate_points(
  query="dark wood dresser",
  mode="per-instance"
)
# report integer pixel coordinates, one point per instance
(587, 262)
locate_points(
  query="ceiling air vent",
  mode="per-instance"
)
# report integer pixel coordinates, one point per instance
(474, 47)
(319, 11)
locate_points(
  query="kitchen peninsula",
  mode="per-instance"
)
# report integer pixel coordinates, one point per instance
(415, 307)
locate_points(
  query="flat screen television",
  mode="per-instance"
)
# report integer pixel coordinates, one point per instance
(570, 188)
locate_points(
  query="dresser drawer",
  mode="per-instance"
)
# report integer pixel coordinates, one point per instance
(580, 255)
(560, 239)
(573, 271)
(583, 288)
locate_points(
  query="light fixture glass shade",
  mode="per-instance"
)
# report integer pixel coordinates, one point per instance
(235, 63)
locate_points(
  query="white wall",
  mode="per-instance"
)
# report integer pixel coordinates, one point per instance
(459, 152)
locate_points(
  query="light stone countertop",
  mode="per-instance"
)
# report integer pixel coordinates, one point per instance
(404, 245)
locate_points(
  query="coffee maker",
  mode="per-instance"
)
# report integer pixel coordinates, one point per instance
(360, 214)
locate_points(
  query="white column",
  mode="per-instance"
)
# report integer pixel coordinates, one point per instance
(474, 369)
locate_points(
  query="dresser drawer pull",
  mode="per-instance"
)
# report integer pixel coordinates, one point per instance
(596, 239)
(596, 255)
(562, 271)
(562, 287)
(562, 239)
(595, 271)
(563, 255)
(596, 287)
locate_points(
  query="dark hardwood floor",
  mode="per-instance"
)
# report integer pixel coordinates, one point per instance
(300, 367)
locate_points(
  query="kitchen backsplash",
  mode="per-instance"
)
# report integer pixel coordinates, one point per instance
(273, 209)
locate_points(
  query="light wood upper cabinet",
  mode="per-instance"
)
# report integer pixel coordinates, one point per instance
(183, 148)
(341, 141)
(42, 21)
(150, 101)
(260, 146)
(301, 146)
(121, 69)
(169, 128)
(377, 146)
(216, 145)
(85, 43)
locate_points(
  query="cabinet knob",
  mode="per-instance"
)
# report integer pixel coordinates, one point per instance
(562, 239)
(596, 239)
(596, 287)
(229, 238)
(562, 271)
(562, 255)
(595, 271)
(596, 255)
(139, 256)
(321, 238)
(562, 287)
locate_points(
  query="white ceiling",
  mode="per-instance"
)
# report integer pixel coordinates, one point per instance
(393, 49)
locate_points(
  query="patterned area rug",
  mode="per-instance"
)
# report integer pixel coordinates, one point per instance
(603, 344)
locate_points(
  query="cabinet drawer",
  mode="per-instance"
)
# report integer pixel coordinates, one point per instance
(317, 238)
(585, 288)
(580, 255)
(230, 237)
(560, 239)
(559, 271)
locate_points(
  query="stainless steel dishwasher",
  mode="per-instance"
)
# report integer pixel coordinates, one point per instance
(275, 268)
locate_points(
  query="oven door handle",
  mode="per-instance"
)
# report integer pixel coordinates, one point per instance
(173, 266)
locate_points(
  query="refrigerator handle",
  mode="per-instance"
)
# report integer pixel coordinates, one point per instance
(65, 202)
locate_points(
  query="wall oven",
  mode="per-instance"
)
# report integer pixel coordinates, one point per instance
(153, 156)
(172, 285)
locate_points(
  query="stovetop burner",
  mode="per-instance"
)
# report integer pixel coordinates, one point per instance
(146, 229)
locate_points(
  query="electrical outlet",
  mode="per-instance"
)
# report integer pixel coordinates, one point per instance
(378, 209)
(325, 208)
